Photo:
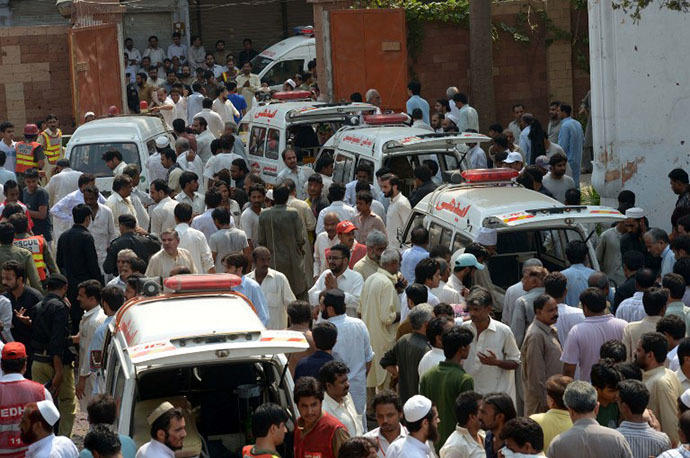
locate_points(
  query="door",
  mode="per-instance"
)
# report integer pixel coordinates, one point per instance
(95, 69)
(369, 50)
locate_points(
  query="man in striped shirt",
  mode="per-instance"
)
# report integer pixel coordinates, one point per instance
(644, 441)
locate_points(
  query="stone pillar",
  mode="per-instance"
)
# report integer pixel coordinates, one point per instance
(559, 61)
(322, 33)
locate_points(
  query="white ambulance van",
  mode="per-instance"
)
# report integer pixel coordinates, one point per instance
(529, 224)
(283, 60)
(291, 118)
(201, 347)
(134, 136)
(385, 140)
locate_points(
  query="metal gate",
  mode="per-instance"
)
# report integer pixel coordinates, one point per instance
(96, 70)
(368, 50)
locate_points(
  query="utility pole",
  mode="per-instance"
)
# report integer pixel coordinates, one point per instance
(482, 96)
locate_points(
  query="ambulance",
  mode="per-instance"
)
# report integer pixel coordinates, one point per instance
(529, 224)
(134, 136)
(283, 60)
(386, 140)
(201, 347)
(292, 118)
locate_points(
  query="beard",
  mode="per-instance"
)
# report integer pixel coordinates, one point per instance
(433, 433)
(28, 437)
(169, 445)
(324, 314)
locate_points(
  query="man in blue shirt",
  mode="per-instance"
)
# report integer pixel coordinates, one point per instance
(236, 99)
(571, 138)
(325, 334)
(577, 274)
(414, 88)
(236, 264)
(411, 256)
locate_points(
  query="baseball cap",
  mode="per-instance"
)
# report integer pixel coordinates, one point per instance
(89, 113)
(513, 158)
(468, 260)
(344, 227)
(14, 350)
(416, 408)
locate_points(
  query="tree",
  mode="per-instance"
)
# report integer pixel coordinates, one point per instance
(482, 62)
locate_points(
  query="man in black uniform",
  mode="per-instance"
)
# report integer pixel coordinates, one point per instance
(144, 246)
(77, 258)
(53, 349)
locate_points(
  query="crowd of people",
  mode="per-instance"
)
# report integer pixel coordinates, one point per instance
(413, 353)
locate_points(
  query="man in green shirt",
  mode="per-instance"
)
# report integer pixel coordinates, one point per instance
(605, 380)
(445, 382)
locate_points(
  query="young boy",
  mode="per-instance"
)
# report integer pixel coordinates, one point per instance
(605, 380)
(268, 427)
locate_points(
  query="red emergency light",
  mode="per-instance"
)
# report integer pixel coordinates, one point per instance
(393, 118)
(484, 175)
(306, 30)
(206, 282)
(292, 95)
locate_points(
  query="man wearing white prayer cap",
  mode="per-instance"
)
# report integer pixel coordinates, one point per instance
(487, 237)
(422, 421)
(633, 240)
(37, 432)
(167, 432)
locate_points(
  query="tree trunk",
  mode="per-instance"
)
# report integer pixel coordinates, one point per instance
(482, 95)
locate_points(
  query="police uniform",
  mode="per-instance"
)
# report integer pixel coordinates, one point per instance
(51, 336)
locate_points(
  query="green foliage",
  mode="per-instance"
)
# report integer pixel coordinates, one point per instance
(634, 8)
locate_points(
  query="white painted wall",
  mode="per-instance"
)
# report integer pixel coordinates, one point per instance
(640, 80)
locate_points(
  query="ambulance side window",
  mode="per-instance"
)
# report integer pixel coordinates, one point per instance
(417, 220)
(342, 169)
(282, 71)
(273, 144)
(257, 140)
(459, 243)
(368, 163)
(439, 235)
(119, 387)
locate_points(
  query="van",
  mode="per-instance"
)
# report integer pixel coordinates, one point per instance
(201, 347)
(529, 224)
(134, 136)
(281, 61)
(385, 140)
(291, 118)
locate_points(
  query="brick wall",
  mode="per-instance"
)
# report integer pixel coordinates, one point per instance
(34, 75)
(522, 73)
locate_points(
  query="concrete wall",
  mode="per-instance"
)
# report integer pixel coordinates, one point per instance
(34, 75)
(640, 101)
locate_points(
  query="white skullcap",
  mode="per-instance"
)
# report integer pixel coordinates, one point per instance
(48, 411)
(269, 194)
(513, 158)
(453, 118)
(634, 213)
(162, 141)
(486, 236)
(416, 408)
(89, 113)
(160, 410)
(685, 398)
(291, 82)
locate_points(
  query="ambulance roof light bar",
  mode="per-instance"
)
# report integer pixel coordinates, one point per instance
(305, 30)
(205, 282)
(486, 175)
(292, 95)
(383, 119)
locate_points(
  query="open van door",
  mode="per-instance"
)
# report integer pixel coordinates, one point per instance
(443, 141)
(325, 113)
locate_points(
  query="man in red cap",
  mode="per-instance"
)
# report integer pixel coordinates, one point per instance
(15, 393)
(29, 153)
(346, 235)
